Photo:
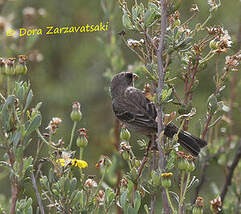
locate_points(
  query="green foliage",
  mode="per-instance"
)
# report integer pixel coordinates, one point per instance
(129, 181)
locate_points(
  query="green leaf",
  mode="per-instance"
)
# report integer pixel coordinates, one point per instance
(5, 114)
(66, 185)
(110, 195)
(38, 106)
(137, 201)
(123, 199)
(212, 103)
(127, 22)
(36, 122)
(166, 94)
(149, 17)
(28, 100)
(73, 184)
(16, 138)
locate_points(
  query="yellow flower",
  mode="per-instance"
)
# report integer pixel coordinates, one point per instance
(74, 162)
(63, 162)
(166, 175)
(79, 163)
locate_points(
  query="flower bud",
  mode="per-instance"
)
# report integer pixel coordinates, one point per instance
(198, 207)
(82, 140)
(197, 210)
(2, 66)
(213, 45)
(76, 114)
(125, 155)
(21, 67)
(137, 163)
(166, 179)
(125, 134)
(10, 68)
(182, 164)
(191, 166)
(177, 23)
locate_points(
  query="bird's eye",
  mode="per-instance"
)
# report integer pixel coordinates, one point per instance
(129, 75)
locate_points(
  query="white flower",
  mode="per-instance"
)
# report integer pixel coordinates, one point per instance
(225, 39)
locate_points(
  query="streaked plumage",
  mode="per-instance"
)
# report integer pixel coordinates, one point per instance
(139, 114)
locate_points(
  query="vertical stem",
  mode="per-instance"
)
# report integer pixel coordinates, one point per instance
(169, 200)
(161, 76)
(37, 194)
(101, 181)
(14, 191)
(183, 191)
(72, 135)
(8, 85)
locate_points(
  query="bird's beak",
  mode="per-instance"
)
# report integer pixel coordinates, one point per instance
(135, 77)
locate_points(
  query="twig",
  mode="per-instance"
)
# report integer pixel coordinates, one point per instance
(206, 125)
(37, 194)
(151, 40)
(14, 195)
(229, 177)
(161, 75)
(117, 145)
(145, 158)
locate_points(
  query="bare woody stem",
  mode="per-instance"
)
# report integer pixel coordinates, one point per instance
(40, 203)
(229, 176)
(161, 76)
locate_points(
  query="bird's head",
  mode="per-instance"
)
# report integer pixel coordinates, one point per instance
(120, 82)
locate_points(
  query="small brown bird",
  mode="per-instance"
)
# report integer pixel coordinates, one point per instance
(138, 113)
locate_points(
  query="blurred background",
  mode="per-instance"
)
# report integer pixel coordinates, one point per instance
(72, 67)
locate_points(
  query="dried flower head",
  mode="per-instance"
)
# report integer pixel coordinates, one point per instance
(100, 197)
(124, 146)
(104, 161)
(90, 183)
(2, 62)
(194, 8)
(124, 182)
(35, 56)
(213, 4)
(232, 62)
(199, 202)
(42, 12)
(225, 39)
(82, 132)
(189, 157)
(135, 43)
(22, 59)
(76, 106)
(180, 154)
(29, 12)
(54, 124)
(10, 61)
(216, 204)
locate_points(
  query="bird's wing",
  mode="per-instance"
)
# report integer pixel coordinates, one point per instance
(134, 108)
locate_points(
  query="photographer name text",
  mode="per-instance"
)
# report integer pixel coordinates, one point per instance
(52, 30)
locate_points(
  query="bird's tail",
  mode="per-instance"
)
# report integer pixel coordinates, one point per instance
(187, 141)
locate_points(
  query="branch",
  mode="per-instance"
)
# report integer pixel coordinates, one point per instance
(161, 76)
(37, 194)
(229, 177)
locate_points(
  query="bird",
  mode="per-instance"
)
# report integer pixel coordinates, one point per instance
(138, 113)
